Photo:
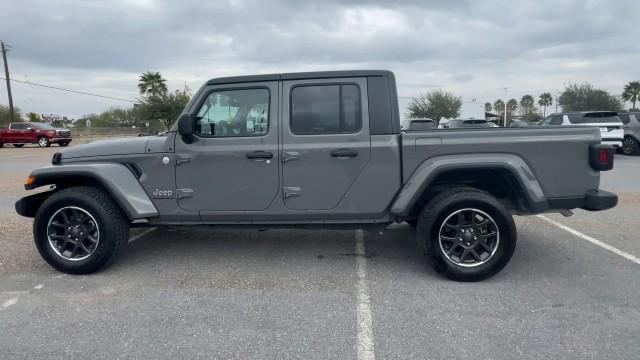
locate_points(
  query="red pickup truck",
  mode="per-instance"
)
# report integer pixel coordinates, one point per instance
(44, 135)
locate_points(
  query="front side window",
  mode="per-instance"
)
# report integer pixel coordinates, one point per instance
(234, 113)
(325, 109)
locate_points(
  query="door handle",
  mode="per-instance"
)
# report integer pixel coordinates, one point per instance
(260, 155)
(343, 153)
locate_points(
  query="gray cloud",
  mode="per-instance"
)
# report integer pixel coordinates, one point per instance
(471, 47)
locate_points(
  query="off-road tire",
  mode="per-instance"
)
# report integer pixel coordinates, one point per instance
(112, 224)
(446, 203)
(43, 141)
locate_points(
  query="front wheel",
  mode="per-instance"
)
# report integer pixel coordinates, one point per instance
(80, 230)
(43, 141)
(63, 143)
(466, 234)
(630, 146)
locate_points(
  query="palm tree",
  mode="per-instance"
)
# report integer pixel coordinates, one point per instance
(487, 107)
(512, 105)
(152, 84)
(545, 100)
(498, 106)
(526, 103)
(632, 92)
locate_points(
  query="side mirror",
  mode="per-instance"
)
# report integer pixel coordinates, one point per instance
(185, 128)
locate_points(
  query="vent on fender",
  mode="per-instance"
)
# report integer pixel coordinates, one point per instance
(135, 170)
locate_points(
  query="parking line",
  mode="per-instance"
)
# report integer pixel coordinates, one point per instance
(592, 240)
(365, 327)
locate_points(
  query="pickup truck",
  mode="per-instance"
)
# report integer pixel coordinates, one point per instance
(315, 150)
(20, 133)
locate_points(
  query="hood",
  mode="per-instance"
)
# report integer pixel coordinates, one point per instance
(123, 146)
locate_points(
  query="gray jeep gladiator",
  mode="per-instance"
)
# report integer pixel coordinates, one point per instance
(315, 150)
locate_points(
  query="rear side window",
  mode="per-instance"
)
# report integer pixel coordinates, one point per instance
(601, 117)
(325, 109)
(18, 126)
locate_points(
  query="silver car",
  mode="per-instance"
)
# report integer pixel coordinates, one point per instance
(630, 143)
(608, 121)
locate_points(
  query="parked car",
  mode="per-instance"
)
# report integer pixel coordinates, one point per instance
(333, 158)
(518, 123)
(608, 122)
(631, 141)
(468, 123)
(421, 124)
(20, 133)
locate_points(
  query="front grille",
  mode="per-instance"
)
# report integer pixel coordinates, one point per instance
(64, 133)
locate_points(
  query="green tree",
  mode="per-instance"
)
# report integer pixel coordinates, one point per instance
(585, 97)
(631, 93)
(436, 105)
(5, 116)
(487, 107)
(527, 104)
(152, 84)
(31, 116)
(545, 100)
(512, 106)
(166, 108)
(498, 106)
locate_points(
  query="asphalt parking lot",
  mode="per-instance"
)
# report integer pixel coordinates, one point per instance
(207, 293)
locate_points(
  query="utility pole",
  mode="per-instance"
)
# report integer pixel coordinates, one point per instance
(6, 75)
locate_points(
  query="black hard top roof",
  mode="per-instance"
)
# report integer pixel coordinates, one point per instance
(300, 76)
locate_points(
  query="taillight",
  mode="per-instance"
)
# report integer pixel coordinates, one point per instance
(601, 157)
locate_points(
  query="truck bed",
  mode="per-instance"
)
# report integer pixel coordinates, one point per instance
(555, 159)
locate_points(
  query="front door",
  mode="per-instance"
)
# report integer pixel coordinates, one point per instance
(233, 163)
(325, 142)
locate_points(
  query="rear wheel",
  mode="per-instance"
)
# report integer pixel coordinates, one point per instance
(43, 141)
(630, 146)
(466, 234)
(18, 145)
(80, 230)
(1, 144)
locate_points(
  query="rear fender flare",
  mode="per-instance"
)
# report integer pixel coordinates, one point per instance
(429, 170)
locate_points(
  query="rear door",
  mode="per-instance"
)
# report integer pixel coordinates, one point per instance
(18, 132)
(325, 141)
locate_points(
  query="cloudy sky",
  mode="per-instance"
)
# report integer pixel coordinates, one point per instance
(471, 47)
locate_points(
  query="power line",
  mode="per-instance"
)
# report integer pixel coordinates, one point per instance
(68, 90)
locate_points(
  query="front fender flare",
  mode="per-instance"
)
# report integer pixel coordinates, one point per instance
(116, 178)
(422, 177)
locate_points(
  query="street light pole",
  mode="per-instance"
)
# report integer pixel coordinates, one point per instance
(505, 106)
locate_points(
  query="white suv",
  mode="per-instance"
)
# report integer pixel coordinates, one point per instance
(609, 123)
